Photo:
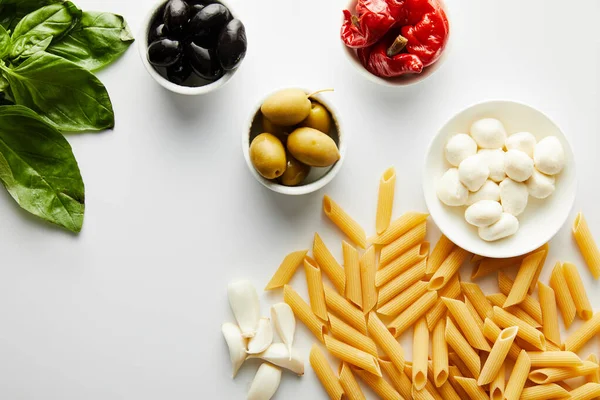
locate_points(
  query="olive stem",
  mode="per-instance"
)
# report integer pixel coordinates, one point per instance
(397, 46)
(355, 21)
(319, 91)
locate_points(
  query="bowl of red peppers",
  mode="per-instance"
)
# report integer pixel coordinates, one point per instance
(395, 42)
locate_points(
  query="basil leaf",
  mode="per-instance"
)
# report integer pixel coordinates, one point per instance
(69, 97)
(4, 42)
(14, 10)
(38, 168)
(96, 41)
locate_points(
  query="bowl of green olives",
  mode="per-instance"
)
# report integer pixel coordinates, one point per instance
(192, 47)
(293, 143)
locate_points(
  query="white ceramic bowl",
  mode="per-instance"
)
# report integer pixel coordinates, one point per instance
(403, 80)
(318, 177)
(142, 43)
(541, 220)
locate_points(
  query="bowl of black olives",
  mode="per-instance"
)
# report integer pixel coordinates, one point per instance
(192, 46)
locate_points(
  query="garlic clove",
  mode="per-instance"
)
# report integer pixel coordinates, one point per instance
(236, 344)
(278, 354)
(244, 303)
(263, 338)
(284, 320)
(265, 383)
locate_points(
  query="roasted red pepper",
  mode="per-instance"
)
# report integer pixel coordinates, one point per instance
(371, 24)
(382, 59)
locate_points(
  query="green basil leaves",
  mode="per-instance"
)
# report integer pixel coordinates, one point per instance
(4, 42)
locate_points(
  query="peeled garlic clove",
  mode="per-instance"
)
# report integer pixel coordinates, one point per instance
(284, 320)
(278, 354)
(243, 300)
(265, 383)
(236, 344)
(263, 338)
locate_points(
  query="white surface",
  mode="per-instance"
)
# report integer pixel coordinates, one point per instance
(132, 307)
(540, 220)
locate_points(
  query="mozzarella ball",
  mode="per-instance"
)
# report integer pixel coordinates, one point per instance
(523, 141)
(540, 185)
(549, 156)
(489, 133)
(508, 225)
(495, 160)
(460, 147)
(518, 165)
(473, 172)
(513, 196)
(449, 189)
(489, 191)
(484, 213)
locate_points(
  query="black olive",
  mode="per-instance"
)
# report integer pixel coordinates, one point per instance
(232, 45)
(197, 7)
(176, 15)
(164, 52)
(203, 62)
(157, 33)
(209, 20)
(179, 72)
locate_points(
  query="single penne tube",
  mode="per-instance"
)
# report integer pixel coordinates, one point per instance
(303, 312)
(497, 356)
(351, 387)
(439, 353)
(347, 334)
(453, 373)
(367, 280)
(587, 245)
(379, 385)
(566, 359)
(583, 334)
(550, 327)
(329, 264)
(385, 200)
(553, 374)
(386, 341)
(325, 374)
(399, 227)
(345, 310)
(527, 271)
(471, 387)
(409, 316)
(441, 250)
(498, 299)
(448, 268)
(344, 222)
(565, 303)
(420, 353)
(286, 269)
(518, 377)
(398, 378)
(545, 248)
(474, 314)
(399, 303)
(577, 290)
(544, 392)
(488, 266)
(467, 324)
(462, 348)
(445, 390)
(352, 272)
(399, 246)
(498, 384)
(411, 257)
(314, 283)
(526, 332)
(352, 355)
(530, 305)
(401, 282)
(587, 391)
(473, 292)
(438, 311)
(595, 377)
(491, 331)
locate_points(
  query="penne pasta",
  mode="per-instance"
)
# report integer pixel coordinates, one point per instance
(351, 388)
(448, 268)
(352, 269)
(577, 290)
(456, 361)
(474, 314)
(550, 326)
(587, 391)
(565, 359)
(409, 316)
(552, 374)
(525, 276)
(453, 373)
(473, 390)
(423, 394)
(526, 332)
(445, 390)
(397, 377)
(587, 245)
(439, 353)
(420, 353)
(303, 312)
(399, 246)
(386, 341)
(329, 264)
(488, 266)
(344, 222)
(462, 348)
(550, 346)
(544, 392)
(473, 292)
(385, 200)
(563, 296)
(345, 310)
(352, 355)
(491, 331)
(314, 282)
(467, 324)
(498, 384)
(530, 305)
(400, 226)
(497, 355)
(498, 299)
(399, 303)
(595, 377)
(401, 282)
(564, 385)
(379, 385)
(583, 334)
(325, 374)
(546, 249)
(347, 334)
(438, 311)
(367, 280)
(441, 250)
(286, 269)
(518, 377)
(431, 389)
(411, 257)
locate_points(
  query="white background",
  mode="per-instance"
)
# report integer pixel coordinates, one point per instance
(132, 307)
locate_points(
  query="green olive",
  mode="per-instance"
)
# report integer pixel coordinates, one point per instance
(295, 173)
(312, 147)
(286, 107)
(318, 118)
(281, 132)
(268, 156)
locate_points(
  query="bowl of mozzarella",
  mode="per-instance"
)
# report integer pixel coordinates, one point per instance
(499, 179)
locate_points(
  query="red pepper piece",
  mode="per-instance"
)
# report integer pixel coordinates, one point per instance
(385, 60)
(410, 12)
(427, 38)
(372, 23)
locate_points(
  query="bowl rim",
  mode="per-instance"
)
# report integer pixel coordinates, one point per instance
(309, 187)
(142, 44)
(544, 237)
